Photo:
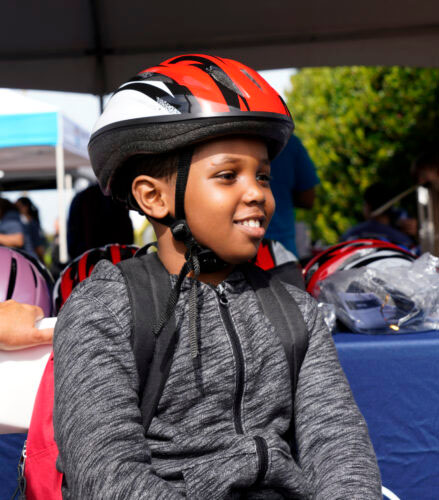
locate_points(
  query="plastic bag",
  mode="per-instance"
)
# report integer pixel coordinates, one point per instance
(389, 300)
(329, 314)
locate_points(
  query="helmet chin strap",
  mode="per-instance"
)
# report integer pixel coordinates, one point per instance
(208, 261)
(198, 259)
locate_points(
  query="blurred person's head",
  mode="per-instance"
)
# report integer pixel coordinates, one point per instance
(426, 168)
(27, 208)
(5, 207)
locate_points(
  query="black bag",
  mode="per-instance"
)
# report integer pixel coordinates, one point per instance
(148, 288)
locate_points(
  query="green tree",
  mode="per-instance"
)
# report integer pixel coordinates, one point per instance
(360, 125)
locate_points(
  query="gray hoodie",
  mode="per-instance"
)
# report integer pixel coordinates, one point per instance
(217, 433)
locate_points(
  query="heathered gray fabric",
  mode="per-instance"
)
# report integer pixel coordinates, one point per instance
(195, 449)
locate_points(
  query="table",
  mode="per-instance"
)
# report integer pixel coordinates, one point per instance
(10, 452)
(395, 382)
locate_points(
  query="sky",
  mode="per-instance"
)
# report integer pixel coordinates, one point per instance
(83, 109)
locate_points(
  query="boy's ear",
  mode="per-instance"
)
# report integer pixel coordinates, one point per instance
(154, 196)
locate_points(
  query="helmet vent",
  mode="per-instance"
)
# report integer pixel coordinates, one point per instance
(247, 74)
(143, 76)
(34, 276)
(157, 77)
(12, 278)
(169, 108)
(221, 77)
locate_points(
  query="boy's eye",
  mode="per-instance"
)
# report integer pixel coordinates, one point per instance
(226, 175)
(264, 178)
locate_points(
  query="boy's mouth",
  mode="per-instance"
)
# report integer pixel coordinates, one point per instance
(253, 226)
(250, 223)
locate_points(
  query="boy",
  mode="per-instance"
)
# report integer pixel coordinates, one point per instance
(188, 143)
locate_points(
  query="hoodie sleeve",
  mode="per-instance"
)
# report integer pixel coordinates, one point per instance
(335, 452)
(103, 452)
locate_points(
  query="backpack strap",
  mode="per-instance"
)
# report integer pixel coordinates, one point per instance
(289, 272)
(288, 322)
(284, 314)
(148, 288)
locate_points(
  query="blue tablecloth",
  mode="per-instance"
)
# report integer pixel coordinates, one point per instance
(11, 446)
(395, 381)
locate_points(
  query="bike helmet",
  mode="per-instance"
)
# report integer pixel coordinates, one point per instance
(46, 274)
(81, 268)
(184, 101)
(272, 253)
(21, 280)
(353, 254)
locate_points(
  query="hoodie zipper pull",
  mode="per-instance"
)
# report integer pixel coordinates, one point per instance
(221, 291)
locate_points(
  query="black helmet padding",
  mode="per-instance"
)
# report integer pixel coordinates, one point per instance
(111, 146)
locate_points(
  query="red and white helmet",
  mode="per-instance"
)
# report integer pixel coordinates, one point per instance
(351, 255)
(181, 102)
(272, 253)
(81, 268)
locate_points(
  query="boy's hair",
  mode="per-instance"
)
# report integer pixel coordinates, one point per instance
(159, 166)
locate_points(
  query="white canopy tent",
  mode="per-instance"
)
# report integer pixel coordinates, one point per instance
(38, 148)
(94, 46)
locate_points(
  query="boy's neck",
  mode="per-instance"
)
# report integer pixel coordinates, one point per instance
(171, 254)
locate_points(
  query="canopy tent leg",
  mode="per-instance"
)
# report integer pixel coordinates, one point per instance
(428, 216)
(60, 186)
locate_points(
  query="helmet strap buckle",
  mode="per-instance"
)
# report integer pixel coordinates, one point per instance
(181, 232)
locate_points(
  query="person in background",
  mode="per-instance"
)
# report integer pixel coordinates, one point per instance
(293, 181)
(380, 226)
(17, 331)
(31, 222)
(96, 220)
(11, 227)
(426, 168)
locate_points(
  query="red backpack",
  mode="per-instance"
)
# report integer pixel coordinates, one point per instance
(42, 479)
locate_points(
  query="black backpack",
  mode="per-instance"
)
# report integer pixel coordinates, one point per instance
(149, 287)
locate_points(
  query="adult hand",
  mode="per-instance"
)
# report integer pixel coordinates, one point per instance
(17, 326)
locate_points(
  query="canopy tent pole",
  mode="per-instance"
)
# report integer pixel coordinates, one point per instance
(60, 186)
(101, 74)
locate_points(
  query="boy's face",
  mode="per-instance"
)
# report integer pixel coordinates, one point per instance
(228, 199)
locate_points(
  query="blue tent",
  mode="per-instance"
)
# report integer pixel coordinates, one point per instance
(38, 147)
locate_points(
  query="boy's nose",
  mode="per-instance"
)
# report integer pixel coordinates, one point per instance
(254, 193)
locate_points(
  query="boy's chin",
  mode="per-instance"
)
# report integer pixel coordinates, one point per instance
(237, 259)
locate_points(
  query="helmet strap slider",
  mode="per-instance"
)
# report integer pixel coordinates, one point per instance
(181, 232)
